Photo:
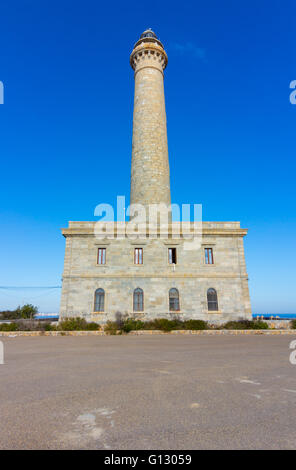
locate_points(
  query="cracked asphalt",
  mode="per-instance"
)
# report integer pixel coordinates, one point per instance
(148, 392)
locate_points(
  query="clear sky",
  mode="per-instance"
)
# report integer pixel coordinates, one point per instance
(66, 128)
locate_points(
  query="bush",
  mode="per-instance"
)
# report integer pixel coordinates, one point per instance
(131, 324)
(168, 325)
(77, 324)
(293, 324)
(195, 325)
(111, 328)
(27, 326)
(49, 327)
(27, 311)
(92, 326)
(246, 325)
(234, 325)
(163, 324)
(10, 314)
(260, 325)
(8, 327)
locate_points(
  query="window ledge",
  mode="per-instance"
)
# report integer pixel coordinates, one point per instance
(102, 243)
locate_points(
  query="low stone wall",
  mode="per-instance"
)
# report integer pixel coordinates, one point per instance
(279, 324)
(13, 334)
(52, 333)
(215, 332)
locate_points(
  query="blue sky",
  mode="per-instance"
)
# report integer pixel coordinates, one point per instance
(67, 120)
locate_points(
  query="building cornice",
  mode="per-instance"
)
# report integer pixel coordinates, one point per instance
(206, 231)
(158, 276)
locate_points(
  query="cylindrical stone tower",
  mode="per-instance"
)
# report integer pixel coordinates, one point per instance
(150, 175)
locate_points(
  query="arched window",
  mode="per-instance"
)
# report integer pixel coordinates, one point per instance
(212, 300)
(174, 300)
(138, 300)
(99, 300)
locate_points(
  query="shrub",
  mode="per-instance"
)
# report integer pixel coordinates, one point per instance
(246, 325)
(8, 327)
(132, 324)
(92, 326)
(10, 314)
(26, 326)
(111, 328)
(49, 327)
(293, 324)
(162, 324)
(195, 325)
(27, 311)
(77, 324)
(260, 325)
(235, 325)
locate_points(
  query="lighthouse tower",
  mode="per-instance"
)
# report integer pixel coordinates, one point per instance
(150, 174)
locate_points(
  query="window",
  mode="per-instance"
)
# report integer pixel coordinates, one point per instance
(172, 255)
(138, 300)
(102, 256)
(209, 259)
(99, 300)
(212, 300)
(138, 256)
(174, 300)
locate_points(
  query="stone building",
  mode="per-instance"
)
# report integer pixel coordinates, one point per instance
(154, 276)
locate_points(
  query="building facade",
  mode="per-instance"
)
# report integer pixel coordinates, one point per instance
(154, 276)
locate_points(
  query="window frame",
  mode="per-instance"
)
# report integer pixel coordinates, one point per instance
(103, 293)
(104, 256)
(139, 292)
(207, 258)
(216, 310)
(138, 256)
(172, 249)
(176, 298)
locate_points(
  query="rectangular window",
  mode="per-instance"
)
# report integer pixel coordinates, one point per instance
(138, 256)
(172, 255)
(102, 256)
(209, 259)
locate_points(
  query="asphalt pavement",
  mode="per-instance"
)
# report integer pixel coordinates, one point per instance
(148, 392)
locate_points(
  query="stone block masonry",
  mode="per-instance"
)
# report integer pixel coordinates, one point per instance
(150, 176)
(189, 278)
(14, 334)
(119, 277)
